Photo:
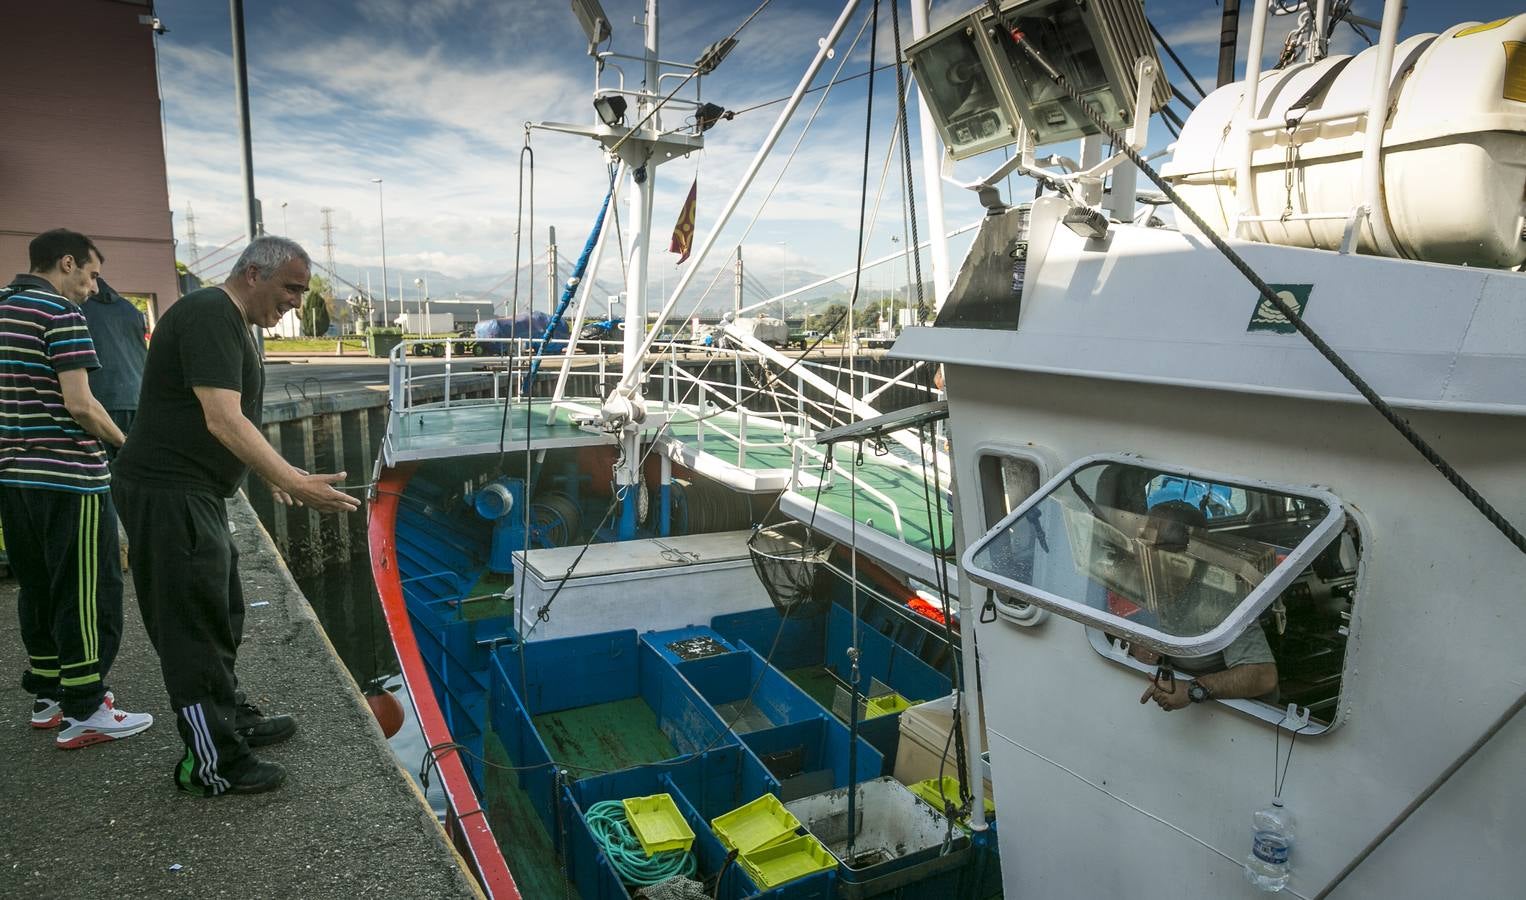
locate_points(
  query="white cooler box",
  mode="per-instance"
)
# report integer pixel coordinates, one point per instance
(924, 734)
(650, 585)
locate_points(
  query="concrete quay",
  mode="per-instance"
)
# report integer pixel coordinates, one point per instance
(108, 821)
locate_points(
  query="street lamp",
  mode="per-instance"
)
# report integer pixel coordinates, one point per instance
(381, 214)
(285, 228)
(423, 300)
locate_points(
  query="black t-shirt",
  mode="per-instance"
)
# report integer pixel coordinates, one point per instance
(201, 342)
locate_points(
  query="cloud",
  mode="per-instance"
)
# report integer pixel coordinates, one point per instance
(402, 98)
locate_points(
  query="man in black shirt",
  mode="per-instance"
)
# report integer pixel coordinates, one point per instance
(195, 438)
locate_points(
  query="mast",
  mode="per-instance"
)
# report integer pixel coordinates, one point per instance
(643, 163)
(932, 178)
(1229, 35)
(644, 175)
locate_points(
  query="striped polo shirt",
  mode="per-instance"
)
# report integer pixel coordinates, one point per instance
(41, 446)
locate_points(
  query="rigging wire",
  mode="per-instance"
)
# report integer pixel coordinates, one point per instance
(1421, 446)
(778, 179)
(825, 87)
(1176, 59)
(686, 79)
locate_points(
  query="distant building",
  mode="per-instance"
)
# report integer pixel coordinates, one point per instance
(83, 147)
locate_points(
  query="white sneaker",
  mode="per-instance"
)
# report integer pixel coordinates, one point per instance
(105, 724)
(47, 713)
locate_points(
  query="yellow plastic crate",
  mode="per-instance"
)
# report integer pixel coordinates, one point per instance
(753, 826)
(929, 790)
(890, 703)
(658, 824)
(795, 858)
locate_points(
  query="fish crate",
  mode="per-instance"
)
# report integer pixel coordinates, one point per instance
(706, 785)
(811, 756)
(754, 825)
(747, 692)
(799, 856)
(657, 823)
(599, 702)
(895, 843)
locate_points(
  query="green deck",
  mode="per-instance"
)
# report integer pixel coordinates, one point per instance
(816, 681)
(438, 431)
(522, 837)
(426, 432)
(605, 737)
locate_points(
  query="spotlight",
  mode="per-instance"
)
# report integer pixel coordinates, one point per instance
(611, 109)
(595, 24)
(1086, 222)
(708, 114)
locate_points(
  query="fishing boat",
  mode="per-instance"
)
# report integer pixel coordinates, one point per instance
(702, 620)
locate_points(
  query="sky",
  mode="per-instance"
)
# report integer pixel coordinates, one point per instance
(432, 96)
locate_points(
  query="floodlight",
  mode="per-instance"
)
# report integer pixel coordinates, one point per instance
(977, 81)
(595, 24)
(611, 109)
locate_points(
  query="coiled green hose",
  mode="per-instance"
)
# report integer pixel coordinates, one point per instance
(607, 821)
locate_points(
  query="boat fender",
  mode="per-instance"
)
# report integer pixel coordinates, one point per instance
(388, 711)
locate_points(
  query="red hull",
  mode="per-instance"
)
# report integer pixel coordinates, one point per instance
(466, 820)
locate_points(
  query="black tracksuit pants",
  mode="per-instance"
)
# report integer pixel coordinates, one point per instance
(185, 570)
(64, 553)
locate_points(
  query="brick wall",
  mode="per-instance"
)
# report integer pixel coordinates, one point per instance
(82, 146)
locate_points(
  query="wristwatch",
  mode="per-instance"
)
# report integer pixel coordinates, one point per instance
(1197, 692)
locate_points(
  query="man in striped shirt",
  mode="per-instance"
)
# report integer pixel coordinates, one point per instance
(55, 499)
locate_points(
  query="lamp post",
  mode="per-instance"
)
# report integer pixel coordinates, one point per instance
(285, 228)
(381, 214)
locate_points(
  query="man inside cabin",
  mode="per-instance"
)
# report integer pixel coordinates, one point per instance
(196, 436)
(1244, 669)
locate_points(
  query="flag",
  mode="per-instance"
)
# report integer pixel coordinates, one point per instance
(683, 232)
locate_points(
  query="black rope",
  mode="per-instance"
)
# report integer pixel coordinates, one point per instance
(1176, 59)
(1429, 453)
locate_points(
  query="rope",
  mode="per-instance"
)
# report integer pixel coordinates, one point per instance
(612, 832)
(1429, 453)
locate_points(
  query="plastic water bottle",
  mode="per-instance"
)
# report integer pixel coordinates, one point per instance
(1269, 864)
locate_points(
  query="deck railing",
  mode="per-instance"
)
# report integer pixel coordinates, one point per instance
(721, 400)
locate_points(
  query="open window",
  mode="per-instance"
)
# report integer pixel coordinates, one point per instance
(1179, 561)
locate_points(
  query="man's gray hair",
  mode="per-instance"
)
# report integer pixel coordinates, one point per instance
(268, 254)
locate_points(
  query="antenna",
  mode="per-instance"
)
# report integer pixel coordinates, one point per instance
(328, 243)
(190, 225)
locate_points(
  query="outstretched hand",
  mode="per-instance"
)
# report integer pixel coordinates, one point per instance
(318, 492)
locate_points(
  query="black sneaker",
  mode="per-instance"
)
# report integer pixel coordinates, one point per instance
(259, 777)
(260, 730)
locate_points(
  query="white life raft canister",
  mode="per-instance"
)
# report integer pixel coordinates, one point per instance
(1454, 151)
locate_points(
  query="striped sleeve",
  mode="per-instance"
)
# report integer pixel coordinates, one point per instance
(69, 343)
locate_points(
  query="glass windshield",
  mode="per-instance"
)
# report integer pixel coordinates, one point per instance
(1164, 556)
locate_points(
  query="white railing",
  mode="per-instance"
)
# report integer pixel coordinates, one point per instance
(720, 398)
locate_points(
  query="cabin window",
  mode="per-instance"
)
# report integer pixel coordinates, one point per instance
(1176, 561)
(1006, 480)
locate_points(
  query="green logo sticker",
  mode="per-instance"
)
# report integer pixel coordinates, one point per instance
(1269, 318)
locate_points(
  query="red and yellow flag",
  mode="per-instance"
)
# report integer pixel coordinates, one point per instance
(683, 232)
